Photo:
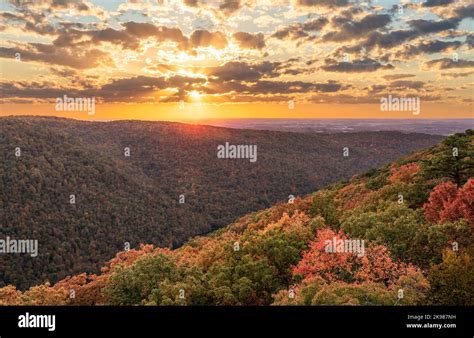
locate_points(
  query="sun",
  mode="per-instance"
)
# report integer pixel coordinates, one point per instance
(195, 95)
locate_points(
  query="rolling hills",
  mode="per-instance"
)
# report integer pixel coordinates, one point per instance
(121, 200)
(415, 217)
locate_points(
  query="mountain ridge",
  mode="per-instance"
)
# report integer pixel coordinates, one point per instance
(277, 256)
(129, 199)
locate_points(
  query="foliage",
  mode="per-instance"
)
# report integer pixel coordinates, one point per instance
(452, 281)
(135, 199)
(420, 248)
(448, 203)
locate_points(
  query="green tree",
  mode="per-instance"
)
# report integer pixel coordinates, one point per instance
(135, 284)
(452, 281)
(453, 159)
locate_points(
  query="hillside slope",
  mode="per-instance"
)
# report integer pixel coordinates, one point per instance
(415, 217)
(134, 199)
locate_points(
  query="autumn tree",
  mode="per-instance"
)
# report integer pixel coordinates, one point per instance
(448, 203)
(452, 281)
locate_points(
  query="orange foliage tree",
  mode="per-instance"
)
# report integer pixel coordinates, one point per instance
(375, 265)
(448, 203)
(404, 173)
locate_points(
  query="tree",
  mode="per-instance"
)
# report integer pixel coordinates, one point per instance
(452, 281)
(323, 205)
(10, 296)
(404, 173)
(448, 203)
(453, 159)
(135, 284)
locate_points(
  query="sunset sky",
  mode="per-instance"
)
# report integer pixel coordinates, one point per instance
(192, 59)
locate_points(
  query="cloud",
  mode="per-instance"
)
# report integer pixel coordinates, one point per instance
(222, 8)
(135, 33)
(465, 12)
(130, 89)
(50, 54)
(250, 41)
(430, 26)
(428, 47)
(356, 66)
(392, 77)
(323, 3)
(77, 7)
(204, 38)
(458, 75)
(435, 3)
(129, 38)
(240, 71)
(348, 30)
(405, 84)
(300, 30)
(446, 63)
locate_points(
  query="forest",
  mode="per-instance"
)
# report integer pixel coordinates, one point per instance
(415, 215)
(127, 179)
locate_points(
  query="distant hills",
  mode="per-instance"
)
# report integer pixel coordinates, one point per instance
(124, 200)
(409, 225)
(426, 126)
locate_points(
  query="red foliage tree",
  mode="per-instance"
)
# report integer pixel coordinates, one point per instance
(317, 262)
(448, 203)
(375, 265)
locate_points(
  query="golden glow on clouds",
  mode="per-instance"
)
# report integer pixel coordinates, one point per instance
(224, 60)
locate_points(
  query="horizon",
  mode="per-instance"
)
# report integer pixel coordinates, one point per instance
(443, 127)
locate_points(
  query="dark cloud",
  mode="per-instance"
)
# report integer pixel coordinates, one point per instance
(250, 41)
(230, 6)
(470, 40)
(392, 77)
(282, 87)
(55, 4)
(405, 84)
(224, 7)
(427, 47)
(356, 66)
(446, 63)
(300, 30)
(458, 75)
(429, 26)
(465, 12)
(130, 37)
(395, 38)
(50, 54)
(117, 37)
(240, 71)
(34, 89)
(348, 29)
(323, 3)
(191, 3)
(130, 89)
(134, 33)
(266, 87)
(435, 3)
(204, 38)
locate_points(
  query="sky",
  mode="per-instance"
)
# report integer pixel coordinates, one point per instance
(204, 59)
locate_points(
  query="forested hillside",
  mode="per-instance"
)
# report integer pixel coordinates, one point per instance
(120, 199)
(415, 216)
